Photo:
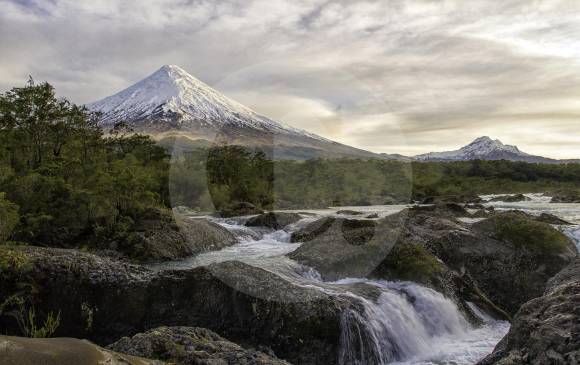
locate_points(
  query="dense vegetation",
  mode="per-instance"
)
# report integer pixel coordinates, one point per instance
(232, 175)
(62, 183)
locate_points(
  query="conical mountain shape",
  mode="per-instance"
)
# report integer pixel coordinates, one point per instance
(486, 148)
(171, 102)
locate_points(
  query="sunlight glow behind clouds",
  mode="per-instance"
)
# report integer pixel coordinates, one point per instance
(443, 72)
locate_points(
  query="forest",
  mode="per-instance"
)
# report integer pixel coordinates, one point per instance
(65, 183)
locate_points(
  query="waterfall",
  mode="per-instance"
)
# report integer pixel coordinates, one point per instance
(395, 323)
(574, 234)
(404, 322)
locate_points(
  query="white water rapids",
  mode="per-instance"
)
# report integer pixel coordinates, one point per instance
(407, 324)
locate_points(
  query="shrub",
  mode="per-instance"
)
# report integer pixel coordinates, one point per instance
(8, 218)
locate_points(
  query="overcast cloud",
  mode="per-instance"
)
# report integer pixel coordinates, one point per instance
(388, 76)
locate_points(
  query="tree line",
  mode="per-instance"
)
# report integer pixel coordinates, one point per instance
(65, 183)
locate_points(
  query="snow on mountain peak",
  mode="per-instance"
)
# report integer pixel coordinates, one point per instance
(172, 94)
(481, 147)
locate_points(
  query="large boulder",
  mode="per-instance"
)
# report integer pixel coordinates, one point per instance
(511, 257)
(392, 248)
(500, 262)
(161, 236)
(61, 351)
(545, 330)
(102, 299)
(202, 235)
(190, 346)
(566, 197)
(240, 209)
(338, 247)
(274, 220)
(516, 198)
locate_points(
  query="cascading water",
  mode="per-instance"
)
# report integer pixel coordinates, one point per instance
(399, 323)
(402, 323)
(412, 324)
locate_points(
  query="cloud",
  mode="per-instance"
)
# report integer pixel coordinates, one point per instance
(389, 76)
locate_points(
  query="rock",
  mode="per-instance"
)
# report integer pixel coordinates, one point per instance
(372, 216)
(348, 212)
(103, 300)
(202, 235)
(510, 257)
(546, 330)
(501, 262)
(393, 248)
(340, 247)
(552, 219)
(273, 220)
(61, 351)
(510, 198)
(190, 346)
(442, 210)
(240, 209)
(162, 236)
(469, 198)
(475, 206)
(567, 197)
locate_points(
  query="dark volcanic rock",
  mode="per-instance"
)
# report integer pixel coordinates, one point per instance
(190, 346)
(451, 199)
(511, 198)
(240, 209)
(552, 219)
(61, 351)
(348, 212)
(442, 210)
(566, 198)
(545, 330)
(273, 220)
(509, 256)
(162, 236)
(103, 300)
(339, 247)
(504, 261)
(202, 235)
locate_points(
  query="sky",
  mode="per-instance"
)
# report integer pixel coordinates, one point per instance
(389, 76)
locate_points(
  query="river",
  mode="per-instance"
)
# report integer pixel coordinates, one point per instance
(392, 328)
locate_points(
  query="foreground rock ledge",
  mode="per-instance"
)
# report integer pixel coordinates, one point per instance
(61, 351)
(103, 300)
(546, 330)
(190, 346)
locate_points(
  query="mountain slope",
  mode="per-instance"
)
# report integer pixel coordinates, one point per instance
(172, 103)
(485, 148)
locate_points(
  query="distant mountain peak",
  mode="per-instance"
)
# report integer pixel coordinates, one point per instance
(484, 148)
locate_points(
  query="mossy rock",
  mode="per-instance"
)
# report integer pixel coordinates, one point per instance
(411, 262)
(524, 232)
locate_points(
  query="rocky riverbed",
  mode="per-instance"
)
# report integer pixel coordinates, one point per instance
(321, 288)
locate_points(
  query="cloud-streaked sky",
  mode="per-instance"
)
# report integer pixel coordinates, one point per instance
(388, 76)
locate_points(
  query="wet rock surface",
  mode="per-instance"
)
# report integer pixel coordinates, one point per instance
(502, 261)
(240, 209)
(338, 247)
(546, 330)
(566, 198)
(245, 304)
(511, 198)
(273, 220)
(190, 346)
(163, 236)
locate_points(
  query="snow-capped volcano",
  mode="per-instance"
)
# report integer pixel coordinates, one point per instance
(485, 148)
(171, 102)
